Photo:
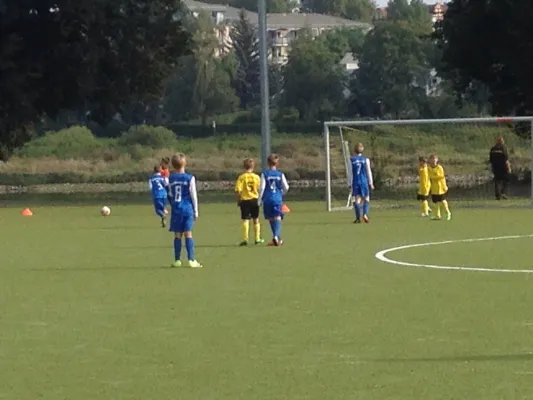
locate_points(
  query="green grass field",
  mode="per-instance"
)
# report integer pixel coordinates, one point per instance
(90, 309)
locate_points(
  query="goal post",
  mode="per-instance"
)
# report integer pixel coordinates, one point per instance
(394, 145)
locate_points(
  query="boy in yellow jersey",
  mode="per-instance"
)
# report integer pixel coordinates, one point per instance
(439, 188)
(247, 191)
(423, 186)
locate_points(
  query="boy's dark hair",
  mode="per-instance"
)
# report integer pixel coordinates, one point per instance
(165, 161)
(273, 160)
(157, 169)
(422, 159)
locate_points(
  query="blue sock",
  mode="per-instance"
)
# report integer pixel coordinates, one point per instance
(366, 207)
(177, 249)
(273, 227)
(189, 245)
(357, 211)
(276, 228)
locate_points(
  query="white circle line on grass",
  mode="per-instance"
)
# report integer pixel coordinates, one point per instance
(382, 255)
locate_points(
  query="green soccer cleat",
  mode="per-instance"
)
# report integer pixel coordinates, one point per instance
(194, 264)
(448, 217)
(260, 241)
(244, 243)
(176, 264)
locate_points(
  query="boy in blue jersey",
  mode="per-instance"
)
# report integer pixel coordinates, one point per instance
(184, 201)
(362, 183)
(158, 186)
(273, 186)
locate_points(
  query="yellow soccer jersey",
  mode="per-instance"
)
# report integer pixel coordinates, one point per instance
(438, 180)
(247, 186)
(423, 181)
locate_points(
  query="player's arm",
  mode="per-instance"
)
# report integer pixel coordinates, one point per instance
(284, 184)
(439, 174)
(194, 196)
(507, 162)
(238, 189)
(150, 184)
(262, 187)
(369, 174)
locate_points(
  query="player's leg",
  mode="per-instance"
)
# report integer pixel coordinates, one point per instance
(497, 185)
(245, 222)
(437, 201)
(366, 203)
(446, 207)
(424, 204)
(159, 205)
(254, 214)
(356, 192)
(188, 223)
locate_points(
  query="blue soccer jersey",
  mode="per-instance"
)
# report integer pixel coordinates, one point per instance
(361, 171)
(158, 186)
(273, 186)
(182, 194)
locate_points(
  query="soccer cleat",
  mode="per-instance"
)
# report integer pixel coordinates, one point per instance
(260, 241)
(244, 243)
(425, 215)
(276, 241)
(366, 219)
(176, 264)
(436, 218)
(163, 222)
(357, 221)
(194, 264)
(448, 216)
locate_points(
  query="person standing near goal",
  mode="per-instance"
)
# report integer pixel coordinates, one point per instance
(362, 183)
(501, 168)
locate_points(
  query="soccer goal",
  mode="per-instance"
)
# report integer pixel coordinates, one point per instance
(462, 145)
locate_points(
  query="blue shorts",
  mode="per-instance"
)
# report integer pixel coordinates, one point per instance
(159, 206)
(180, 223)
(361, 191)
(272, 210)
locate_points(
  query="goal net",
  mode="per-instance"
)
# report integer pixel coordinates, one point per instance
(462, 145)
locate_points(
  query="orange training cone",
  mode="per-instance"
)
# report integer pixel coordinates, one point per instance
(285, 209)
(26, 212)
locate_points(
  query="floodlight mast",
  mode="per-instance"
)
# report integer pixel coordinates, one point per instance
(497, 120)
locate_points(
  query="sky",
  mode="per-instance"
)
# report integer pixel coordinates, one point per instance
(383, 3)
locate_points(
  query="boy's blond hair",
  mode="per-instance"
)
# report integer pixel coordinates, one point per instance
(248, 164)
(179, 161)
(273, 160)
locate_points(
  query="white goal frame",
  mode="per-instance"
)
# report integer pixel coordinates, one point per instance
(345, 144)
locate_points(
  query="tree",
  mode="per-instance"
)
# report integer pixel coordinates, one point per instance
(313, 80)
(490, 42)
(201, 85)
(393, 73)
(344, 40)
(246, 49)
(359, 10)
(413, 14)
(96, 54)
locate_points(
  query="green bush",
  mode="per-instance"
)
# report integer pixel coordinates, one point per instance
(154, 137)
(74, 142)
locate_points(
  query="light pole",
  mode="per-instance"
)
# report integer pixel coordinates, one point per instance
(263, 76)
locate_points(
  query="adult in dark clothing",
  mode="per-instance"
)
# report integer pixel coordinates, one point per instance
(501, 168)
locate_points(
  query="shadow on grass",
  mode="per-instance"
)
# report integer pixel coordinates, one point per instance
(473, 358)
(169, 246)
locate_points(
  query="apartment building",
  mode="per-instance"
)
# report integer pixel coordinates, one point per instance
(282, 29)
(436, 11)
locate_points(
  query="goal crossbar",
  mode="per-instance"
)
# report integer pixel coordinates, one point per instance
(360, 123)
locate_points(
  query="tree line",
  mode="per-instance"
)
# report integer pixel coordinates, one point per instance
(144, 58)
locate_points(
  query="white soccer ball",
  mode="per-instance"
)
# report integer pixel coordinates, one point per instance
(105, 211)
